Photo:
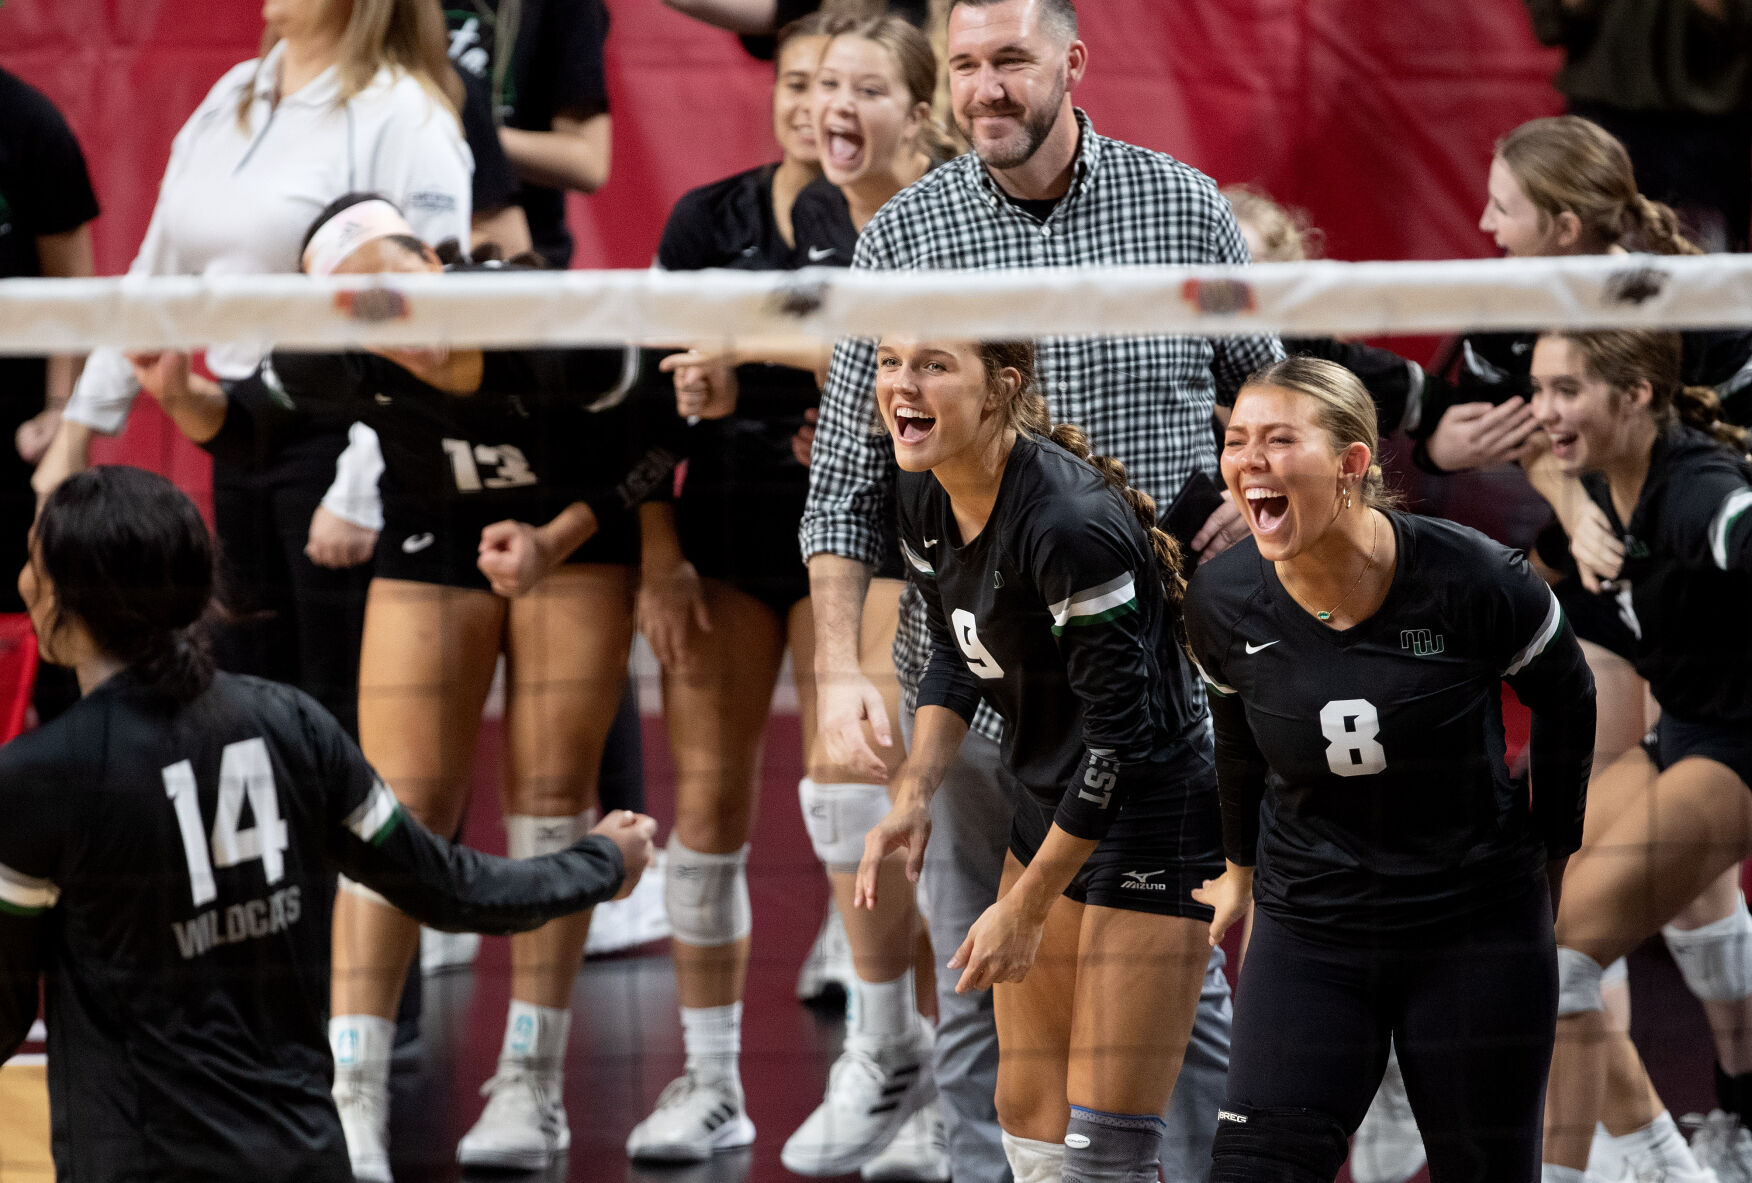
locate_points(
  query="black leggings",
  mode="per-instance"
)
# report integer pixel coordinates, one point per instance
(1473, 1017)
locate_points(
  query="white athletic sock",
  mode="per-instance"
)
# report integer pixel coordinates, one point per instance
(1552, 1173)
(361, 1045)
(882, 1014)
(535, 1038)
(1662, 1141)
(713, 1038)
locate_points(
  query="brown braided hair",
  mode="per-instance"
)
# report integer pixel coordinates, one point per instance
(1029, 415)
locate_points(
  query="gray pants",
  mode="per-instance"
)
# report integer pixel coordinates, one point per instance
(970, 832)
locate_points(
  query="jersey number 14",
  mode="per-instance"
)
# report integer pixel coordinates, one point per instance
(245, 772)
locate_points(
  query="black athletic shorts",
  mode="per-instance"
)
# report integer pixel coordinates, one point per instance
(1674, 739)
(747, 537)
(1167, 840)
(448, 557)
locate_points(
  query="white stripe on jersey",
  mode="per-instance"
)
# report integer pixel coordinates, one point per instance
(375, 814)
(25, 895)
(1733, 506)
(1541, 638)
(1083, 605)
(1216, 687)
(919, 564)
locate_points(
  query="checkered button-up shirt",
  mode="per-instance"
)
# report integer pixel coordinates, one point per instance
(1145, 400)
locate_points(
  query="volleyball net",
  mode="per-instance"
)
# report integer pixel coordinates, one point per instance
(530, 308)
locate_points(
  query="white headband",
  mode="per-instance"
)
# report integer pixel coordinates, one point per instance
(351, 229)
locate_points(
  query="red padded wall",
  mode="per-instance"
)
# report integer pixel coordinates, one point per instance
(1375, 115)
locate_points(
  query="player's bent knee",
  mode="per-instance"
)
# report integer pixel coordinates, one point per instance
(531, 837)
(838, 816)
(1578, 983)
(706, 896)
(1112, 1147)
(1715, 960)
(1277, 1146)
(1033, 1161)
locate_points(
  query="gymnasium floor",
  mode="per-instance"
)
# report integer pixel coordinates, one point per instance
(626, 1042)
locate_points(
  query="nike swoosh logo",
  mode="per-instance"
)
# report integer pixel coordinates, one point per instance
(415, 543)
(930, 542)
(818, 253)
(1252, 648)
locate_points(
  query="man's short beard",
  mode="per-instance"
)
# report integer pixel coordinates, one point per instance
(1034, 131)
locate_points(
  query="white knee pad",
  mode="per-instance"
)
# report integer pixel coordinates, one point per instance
(1616, 974)
(531, 837)
(1033, 1161)
(360, 891)
(1716, 959)
(838, 816)
(706, 896)
(1578, 983)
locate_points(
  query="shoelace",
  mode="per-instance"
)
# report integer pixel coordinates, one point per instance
(504, 1087)
(858, 1064)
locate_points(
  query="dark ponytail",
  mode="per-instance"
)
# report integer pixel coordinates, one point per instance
(1029, 415)
(128, 556)
(1699, 407)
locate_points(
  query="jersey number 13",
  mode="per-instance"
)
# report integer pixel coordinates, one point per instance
(244, 772)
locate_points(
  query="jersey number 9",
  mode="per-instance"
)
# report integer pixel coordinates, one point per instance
(244, 772)
(979, 658)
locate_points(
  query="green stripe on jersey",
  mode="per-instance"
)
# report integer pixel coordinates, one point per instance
(1733, 508)
(25, 895)
(377, 816)
(1116, 597)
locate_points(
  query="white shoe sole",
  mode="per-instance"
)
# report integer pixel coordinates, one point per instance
(732, 1135)
(510, 1158)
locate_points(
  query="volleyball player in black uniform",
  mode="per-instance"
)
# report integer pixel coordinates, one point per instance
(1354, 659)
(1052, 596)
(1675, 484)
(168, 858)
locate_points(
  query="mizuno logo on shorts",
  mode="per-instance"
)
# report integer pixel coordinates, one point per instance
(1140, 881)
(413, 544)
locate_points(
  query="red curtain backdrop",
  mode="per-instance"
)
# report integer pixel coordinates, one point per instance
(1376, 116)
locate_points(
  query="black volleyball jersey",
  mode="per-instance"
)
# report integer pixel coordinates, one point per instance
(1378, 749)
(523, 446)
(1686, 582)
(168, 870)
(1055, 615)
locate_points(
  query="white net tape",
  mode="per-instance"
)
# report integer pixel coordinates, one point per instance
(553, 308)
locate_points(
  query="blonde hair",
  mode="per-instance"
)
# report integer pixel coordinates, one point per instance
(1285, 234)
(1345, 412)
(1028, 415)
(1623, 357)
(917, 65)
(1566, 164)
(405, 35)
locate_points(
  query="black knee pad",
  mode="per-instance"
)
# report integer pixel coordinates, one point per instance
(1277, 1146)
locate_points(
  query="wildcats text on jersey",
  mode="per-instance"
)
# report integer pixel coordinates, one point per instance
(239, 922)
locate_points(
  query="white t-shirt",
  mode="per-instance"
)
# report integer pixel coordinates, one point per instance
(237, 199)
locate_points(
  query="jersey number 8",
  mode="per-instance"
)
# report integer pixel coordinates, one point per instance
(244, 772)
(1350, 726)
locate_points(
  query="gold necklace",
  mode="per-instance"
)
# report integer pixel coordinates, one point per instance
(1374, 537)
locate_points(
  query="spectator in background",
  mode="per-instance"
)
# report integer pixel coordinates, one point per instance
(1672, 79)
(326, 108)
(46, 208)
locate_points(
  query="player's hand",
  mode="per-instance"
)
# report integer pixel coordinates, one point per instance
(34, 434)
(1477, 435)
(163, 375)
(1224, 528)
(1229, 895)
(670, 607)
(1000, 947)
(514, 556)
(634, 833)
(803, 443)
(335, 542)
(1598, 552)
(846, 702)
(907, 827)
(705, 382)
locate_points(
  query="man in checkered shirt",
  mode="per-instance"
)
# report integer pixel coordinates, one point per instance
(1041, 188)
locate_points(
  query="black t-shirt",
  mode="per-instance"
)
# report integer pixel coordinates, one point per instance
(1378, 750)
(495, 182)
(168, 871)
(523, 446)
(1055, 615)
(1686, 582)
(556, 68)
(821, 222)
